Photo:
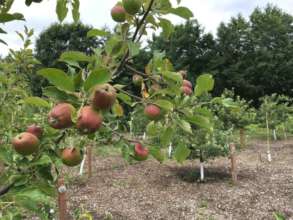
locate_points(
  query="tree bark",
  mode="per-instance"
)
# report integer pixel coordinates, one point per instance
(63, 215)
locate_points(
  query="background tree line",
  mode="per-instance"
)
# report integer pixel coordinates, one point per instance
(254, 56)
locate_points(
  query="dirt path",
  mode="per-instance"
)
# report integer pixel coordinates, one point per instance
(151, 191)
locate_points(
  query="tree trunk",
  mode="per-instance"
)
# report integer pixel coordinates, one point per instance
(242, 137)
(268, 139)
(62, 206)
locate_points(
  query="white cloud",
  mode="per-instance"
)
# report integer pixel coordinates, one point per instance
(97, 13)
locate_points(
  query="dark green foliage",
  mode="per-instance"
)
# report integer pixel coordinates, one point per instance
(188, 48)
(256, 56)
(58, 38)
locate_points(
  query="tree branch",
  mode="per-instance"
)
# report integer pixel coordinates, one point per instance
(140, 24)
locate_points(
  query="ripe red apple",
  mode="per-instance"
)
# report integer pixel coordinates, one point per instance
(186, 90)
(137, 80)
(88, 120)
(187, 83)
(71, 156)
(35, 130)
(60, 116)
(153, 112)
(132, 6)
(103, 97)
(25, 143)
(141, 153)
(118, 13)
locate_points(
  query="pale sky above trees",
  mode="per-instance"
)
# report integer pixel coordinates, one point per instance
(97, 13)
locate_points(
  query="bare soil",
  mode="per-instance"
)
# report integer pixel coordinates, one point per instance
(170, 191)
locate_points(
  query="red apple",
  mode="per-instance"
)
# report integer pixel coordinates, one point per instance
(88, 120)
(35, 130)
(153, 112)
(141, 153)
(25, 143)
(60, 116)
(118, 13)
(103, 97)
(71, 156)
(186, 90)
(187, 83)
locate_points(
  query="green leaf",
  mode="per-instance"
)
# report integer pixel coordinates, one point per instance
(36, 101)
(166, 136)
(133, 48)
(181, 153)
(182, 12)
(153, 129)
(2, 31)
(75, 56)
(157, 154)
(172, 76)
(97, 76)
(164, 104)
(124, 98)
(167, 27)
(44, 160)
(61, 9)
(3, 42)
(185, 126)
(5, 17)
(201, 121)
(97, 32)
(31, 199)
(58, 78)
(57, 94)
(204, 83)
(75, 10)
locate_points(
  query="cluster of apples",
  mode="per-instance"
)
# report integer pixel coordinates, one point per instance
(121, 9)
(89, 120)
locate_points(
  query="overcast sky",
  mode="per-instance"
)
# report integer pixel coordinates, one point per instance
(97, 13)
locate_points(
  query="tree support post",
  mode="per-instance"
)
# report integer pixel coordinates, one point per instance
(201, 167)
(268, 139)
(62, 199)
(233, 162)
(89, 160)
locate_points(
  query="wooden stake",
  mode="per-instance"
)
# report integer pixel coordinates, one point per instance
(242, 137)
(233, 163)
(62, 199)
(89, 161)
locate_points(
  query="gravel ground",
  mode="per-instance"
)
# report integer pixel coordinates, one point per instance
(170, 191)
